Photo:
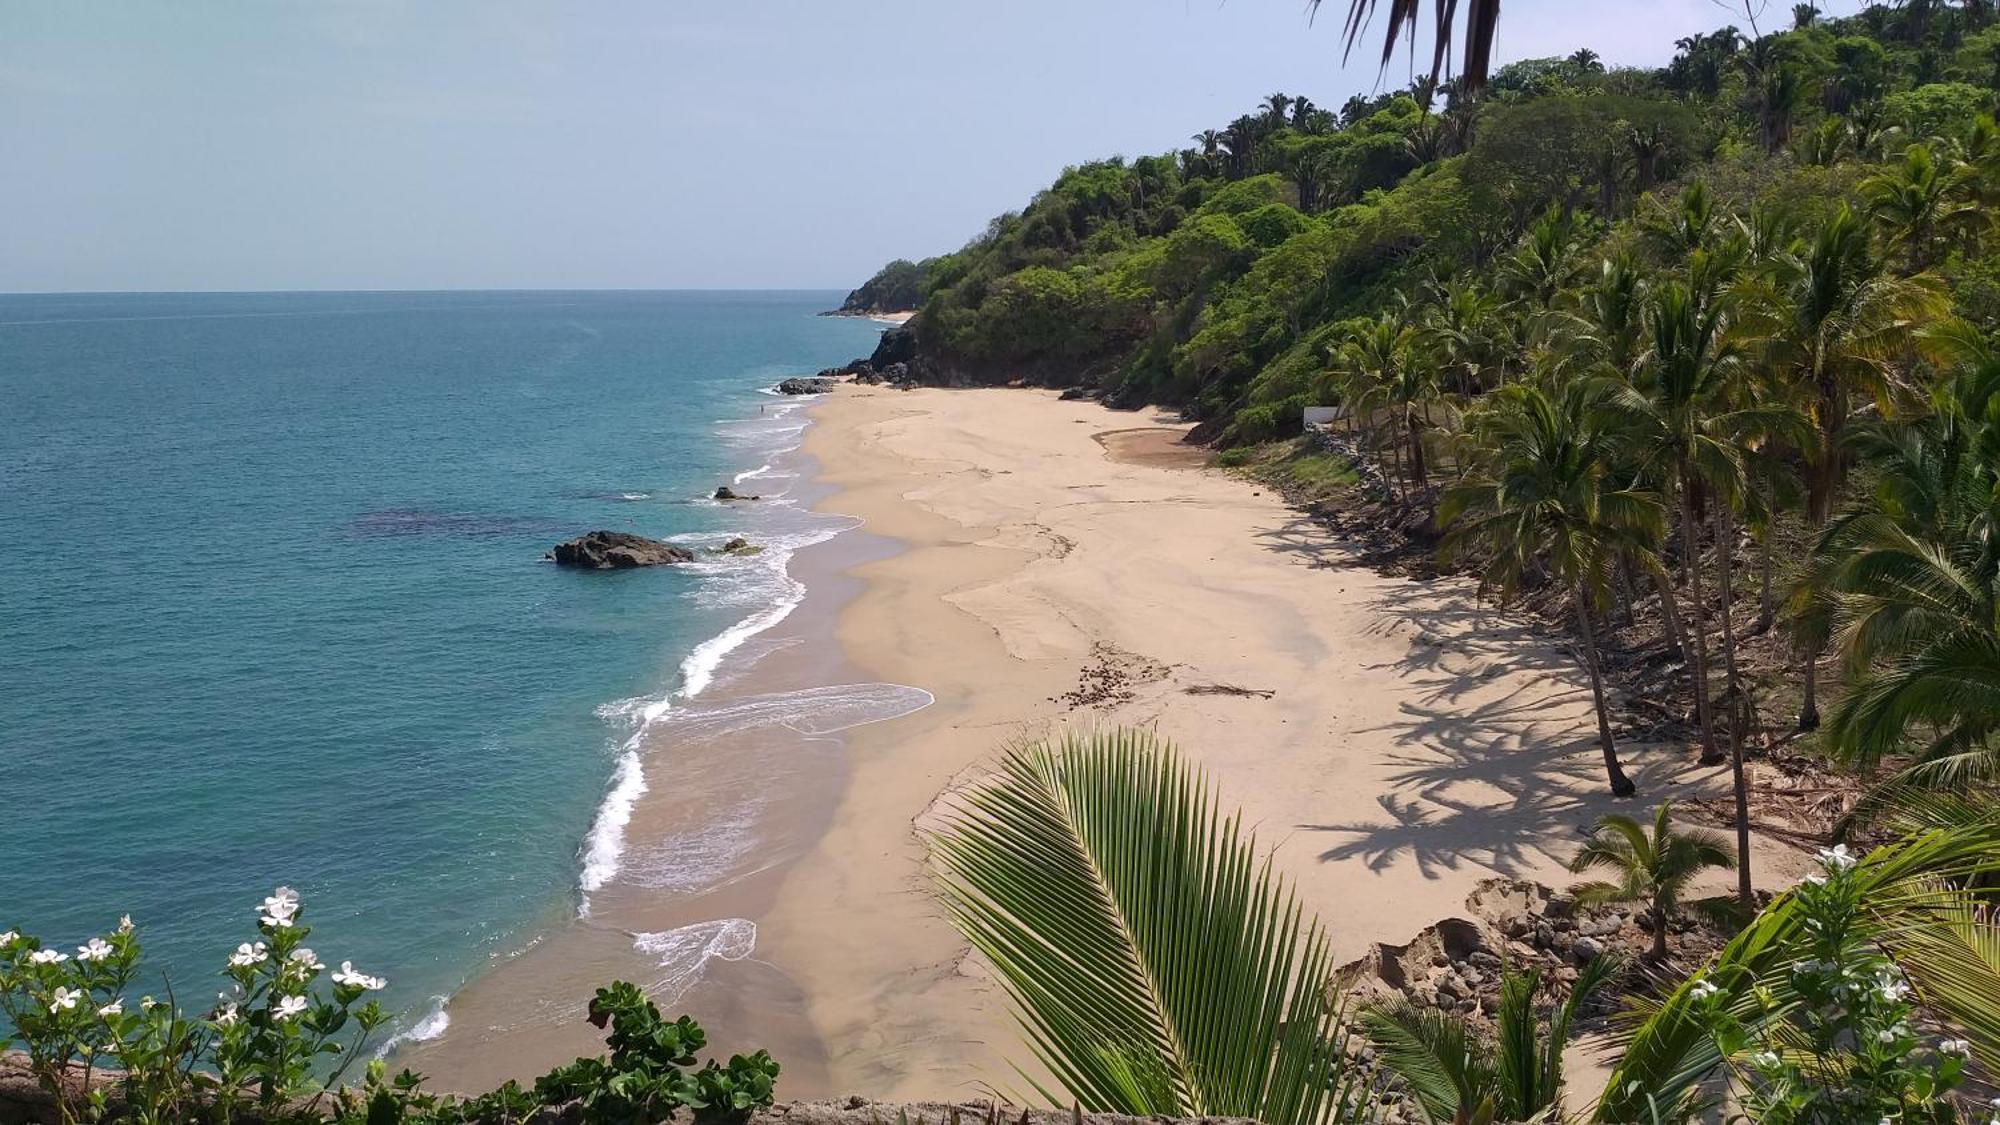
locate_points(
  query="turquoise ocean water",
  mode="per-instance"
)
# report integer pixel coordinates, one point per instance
(273, 610)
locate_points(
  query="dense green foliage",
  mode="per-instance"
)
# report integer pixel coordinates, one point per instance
(896, 287)
(1218, 277)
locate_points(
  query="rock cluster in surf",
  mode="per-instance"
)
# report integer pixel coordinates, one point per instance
(617, 550)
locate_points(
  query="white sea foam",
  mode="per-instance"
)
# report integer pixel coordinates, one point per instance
(633, 497)
(432, 1025)
(606, 842)
(760, 582)
(685, 951)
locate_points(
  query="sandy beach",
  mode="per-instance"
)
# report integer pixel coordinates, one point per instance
(1037, 564)
(1404, 741)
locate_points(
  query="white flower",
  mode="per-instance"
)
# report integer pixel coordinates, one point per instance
(1703, 990)
(1886, 1035)
(116, 1007)
(96, 950)
(63, 999)
(248, 954)
(1765, 1060)
(289, 1006)
(1893, 988)
(147, 1003)
(349, 975)
(8, 938)
(225, 1015)
(1958, 1047)
(306, 959)
(1837, 858)
(279, 910)
(47, 957)
(124, 923)
(1816, 878)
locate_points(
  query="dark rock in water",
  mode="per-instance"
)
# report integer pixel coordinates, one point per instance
(728, 493)
(741, 546)
(617, 550)
(806, 385)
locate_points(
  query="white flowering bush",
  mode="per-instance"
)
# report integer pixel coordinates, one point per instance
(286, 1029)
(280, 1035)
(1841, 1041)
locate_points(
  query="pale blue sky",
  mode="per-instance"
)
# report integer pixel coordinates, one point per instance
(313, 144)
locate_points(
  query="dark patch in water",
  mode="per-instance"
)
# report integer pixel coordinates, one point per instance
(391, 523)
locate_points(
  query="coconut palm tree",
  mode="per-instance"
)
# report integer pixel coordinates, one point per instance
(1837, 321)
(1547, 499)
(1157, 964)
(1384, 357)
(1654, 869)
(1455, 1076)
(1920, 201)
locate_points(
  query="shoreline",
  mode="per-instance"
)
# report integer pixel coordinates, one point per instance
(1034, 564)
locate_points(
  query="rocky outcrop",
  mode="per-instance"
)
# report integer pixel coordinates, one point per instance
(807, 384)
(617, 550)
(740, 547)
(728, 493)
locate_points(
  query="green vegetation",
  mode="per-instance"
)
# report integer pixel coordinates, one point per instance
(1456, 1076)
(1652, 868)
(278, 1040)
(1158, 966)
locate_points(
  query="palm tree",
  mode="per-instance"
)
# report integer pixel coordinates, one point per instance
(1803, 16)
(1384, 357)
(1544, 264)
(1547, 500)
(1157, 964)
(1652, 869)
(1456, 1077)
(1838, 319)
(1275, 108)
(1678, 407)
(1920, 201)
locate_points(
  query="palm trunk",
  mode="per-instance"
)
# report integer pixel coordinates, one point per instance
(1766, 614)
(1621, 786)
(1725, 546)
(1690, 546)
(1659, 935)
(1417, 473)
(1819, 506)
(1670, 612)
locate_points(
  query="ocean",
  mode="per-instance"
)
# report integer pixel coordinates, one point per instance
(275, 609)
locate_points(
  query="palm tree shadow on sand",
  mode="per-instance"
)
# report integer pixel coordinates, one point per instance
(1498, 767)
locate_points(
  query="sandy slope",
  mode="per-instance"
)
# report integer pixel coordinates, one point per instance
(1412, 741)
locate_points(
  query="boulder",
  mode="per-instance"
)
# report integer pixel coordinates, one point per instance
(741, 546)
(806, 385)
(617, 550)
(728, 493)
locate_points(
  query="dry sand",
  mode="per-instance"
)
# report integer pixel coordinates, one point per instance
(1412, 741)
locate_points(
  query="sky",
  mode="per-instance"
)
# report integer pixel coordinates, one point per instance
(529, 144)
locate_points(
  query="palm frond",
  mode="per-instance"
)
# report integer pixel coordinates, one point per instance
(1157, 965)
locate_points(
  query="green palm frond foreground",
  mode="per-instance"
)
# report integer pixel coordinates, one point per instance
(1158, 965)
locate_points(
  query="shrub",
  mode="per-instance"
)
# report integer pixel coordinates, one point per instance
(278, 1040)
